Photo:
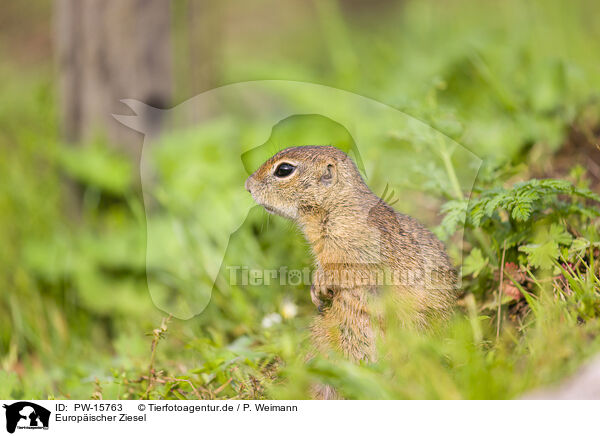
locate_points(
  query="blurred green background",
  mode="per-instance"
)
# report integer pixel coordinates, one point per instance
(515, 83)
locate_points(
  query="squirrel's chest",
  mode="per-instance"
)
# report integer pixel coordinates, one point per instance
(343, 241)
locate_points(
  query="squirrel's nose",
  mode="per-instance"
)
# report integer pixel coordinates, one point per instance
(247, 185)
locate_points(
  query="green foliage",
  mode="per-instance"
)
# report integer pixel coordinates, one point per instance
(97, 167)
(546, 233)
(474, 263)
(530, 216)
(523, 200)
(545, 249)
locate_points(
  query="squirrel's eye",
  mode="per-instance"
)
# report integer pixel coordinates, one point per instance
(284, 169)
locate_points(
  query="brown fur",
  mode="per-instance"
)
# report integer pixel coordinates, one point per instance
(352, 231)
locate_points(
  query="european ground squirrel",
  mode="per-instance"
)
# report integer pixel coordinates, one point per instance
(360, 246)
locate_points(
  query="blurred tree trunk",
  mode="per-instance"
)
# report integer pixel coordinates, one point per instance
(109, 50)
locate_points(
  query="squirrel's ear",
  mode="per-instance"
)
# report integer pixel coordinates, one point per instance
(328, 176)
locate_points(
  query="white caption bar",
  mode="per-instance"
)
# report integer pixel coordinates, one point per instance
(285, 417)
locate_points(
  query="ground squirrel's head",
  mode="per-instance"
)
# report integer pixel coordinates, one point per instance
(302, 178)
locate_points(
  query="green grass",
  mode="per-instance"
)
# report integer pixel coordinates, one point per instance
(78, 300)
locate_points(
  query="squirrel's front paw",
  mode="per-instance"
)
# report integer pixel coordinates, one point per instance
(320, 293)
(317, 295)
(321, 299)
